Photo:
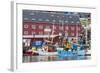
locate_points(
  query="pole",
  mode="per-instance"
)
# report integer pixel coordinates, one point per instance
(52, 31)
(86, 32)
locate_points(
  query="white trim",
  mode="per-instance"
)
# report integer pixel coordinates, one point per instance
(39, 36)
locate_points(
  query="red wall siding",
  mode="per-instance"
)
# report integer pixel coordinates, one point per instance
(57, 30)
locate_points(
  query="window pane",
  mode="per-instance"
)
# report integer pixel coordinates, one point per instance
(33, 27)
(40, 27)
(25, 25)
(25, 32)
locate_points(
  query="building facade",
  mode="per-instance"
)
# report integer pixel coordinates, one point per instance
(36, 22)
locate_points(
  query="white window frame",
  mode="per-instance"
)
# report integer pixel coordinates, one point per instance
(72, 28)
(33, 26)
(25, 25)
(41, 33)
(40, 26)
(25, 32)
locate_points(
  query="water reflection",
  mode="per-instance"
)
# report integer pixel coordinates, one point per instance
(52, 58)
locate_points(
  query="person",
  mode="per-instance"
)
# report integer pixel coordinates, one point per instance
(67, 45)
(74, 44)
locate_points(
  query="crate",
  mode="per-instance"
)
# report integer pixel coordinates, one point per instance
(37, 43)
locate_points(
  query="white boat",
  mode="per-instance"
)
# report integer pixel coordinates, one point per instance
(88, 52)
(48, 53)
(42, 52)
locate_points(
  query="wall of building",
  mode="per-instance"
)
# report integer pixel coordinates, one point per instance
(37, 28)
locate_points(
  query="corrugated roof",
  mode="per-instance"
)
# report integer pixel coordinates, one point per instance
(52, 17)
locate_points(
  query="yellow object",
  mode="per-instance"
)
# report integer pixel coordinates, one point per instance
(33, 49)
(45, 48)
(67, 45)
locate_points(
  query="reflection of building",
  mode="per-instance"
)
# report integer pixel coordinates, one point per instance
(35, 23)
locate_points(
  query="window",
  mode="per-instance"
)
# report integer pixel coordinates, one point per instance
(46, 33)
(47, 27)
(54, 21)
(33, 19)
(66, 21)
(72, 21)
(57, 16)
(25, 32)
(40, 19)
(66, 27)
(61, 28)
(32, 13)
(54, 27)
(52, 15)
(47, 20)
(78, 28)
(33, 33)
(72, 34)
(70, 16)
(25, 25)
(77, 22)
(25, 18)
(40, 33)
(60, 21)
(40, 27)
(33, 27)
(63, 16)
(72, 28)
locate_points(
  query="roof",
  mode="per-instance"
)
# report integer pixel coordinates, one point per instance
(50, 16)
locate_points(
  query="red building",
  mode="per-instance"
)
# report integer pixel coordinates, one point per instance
(35, 23)
(37, 28)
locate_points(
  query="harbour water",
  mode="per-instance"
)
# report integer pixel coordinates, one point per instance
(27, 59)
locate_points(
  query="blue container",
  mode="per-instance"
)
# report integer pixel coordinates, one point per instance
(37, 43)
